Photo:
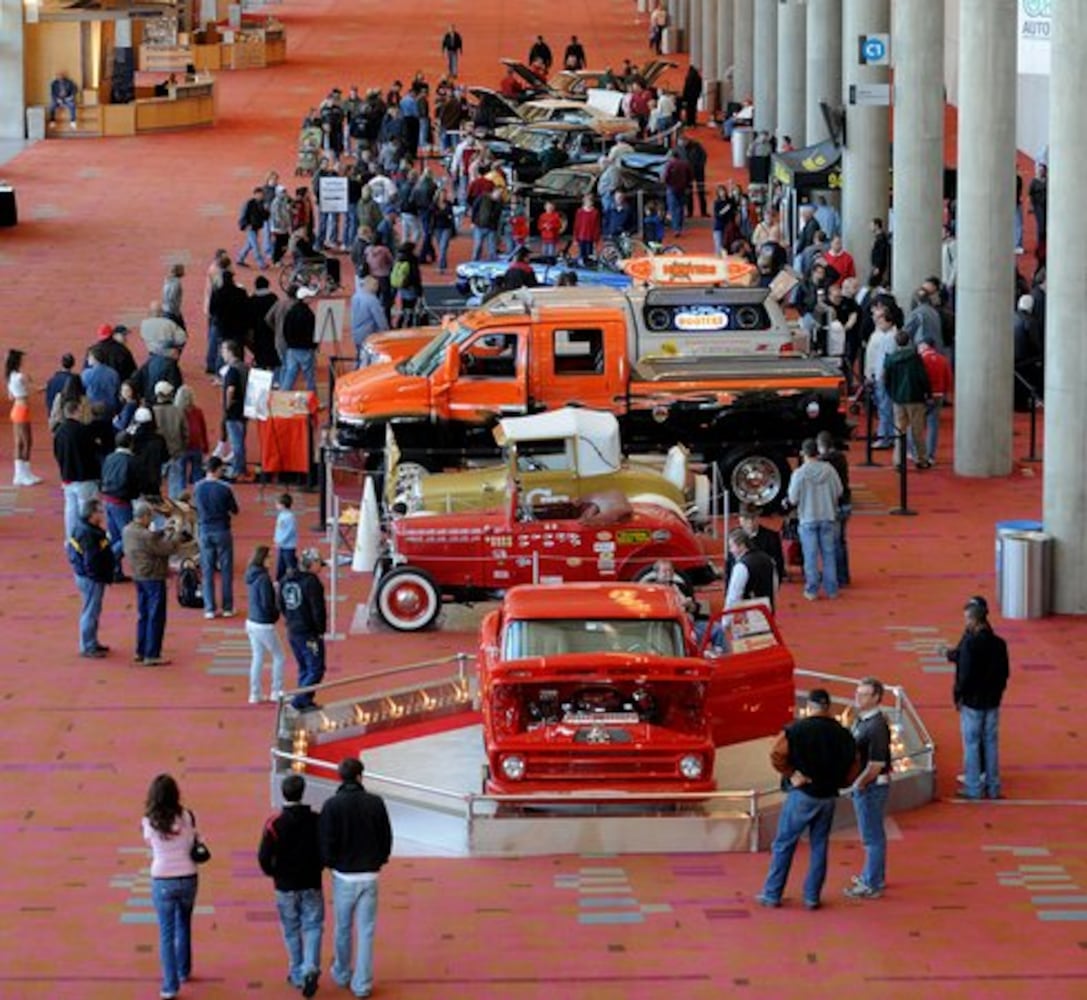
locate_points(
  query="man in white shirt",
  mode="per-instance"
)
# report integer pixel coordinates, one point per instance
(880, 344)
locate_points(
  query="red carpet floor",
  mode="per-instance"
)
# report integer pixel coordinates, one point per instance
(984, 901)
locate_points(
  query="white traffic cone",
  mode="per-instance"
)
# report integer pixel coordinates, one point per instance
(368, 536)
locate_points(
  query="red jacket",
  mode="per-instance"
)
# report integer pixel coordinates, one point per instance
(678, 176)
(587, 225)
(550, 224)
(941, 380)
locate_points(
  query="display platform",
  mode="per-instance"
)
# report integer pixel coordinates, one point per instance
(419, 736)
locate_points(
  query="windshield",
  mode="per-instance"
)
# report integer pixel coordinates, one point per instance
(426, 361)
(566, 182)
(554, 637)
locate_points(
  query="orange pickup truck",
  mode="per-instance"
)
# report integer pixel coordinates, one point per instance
(710, 368)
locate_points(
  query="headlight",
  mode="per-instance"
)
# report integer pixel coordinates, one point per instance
(513, 767)
(812, 409)
(691, 766)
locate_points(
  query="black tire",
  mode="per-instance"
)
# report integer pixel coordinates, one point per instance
(408, 599)
(480, 285)
(755, 475)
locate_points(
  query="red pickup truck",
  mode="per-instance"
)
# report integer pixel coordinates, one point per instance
(602, 687)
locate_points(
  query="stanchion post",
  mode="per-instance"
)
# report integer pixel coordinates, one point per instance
(1033, 455)
(334, 563)
(324, 492)
(869, 400)
(903, 508)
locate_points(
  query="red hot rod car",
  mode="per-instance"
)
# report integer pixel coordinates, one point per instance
(600, 687)
(476, 555)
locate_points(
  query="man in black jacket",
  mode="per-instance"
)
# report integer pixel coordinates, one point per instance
(114, 351)
(119, 488)
(753, 572)
(815, 756)
(251, 222)
(76, 452)
(981, 675)
(302, 602)
(356, 840)
(91, 559)
(299, 328)
(290, 854)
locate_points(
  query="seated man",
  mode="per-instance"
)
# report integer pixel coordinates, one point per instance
(62, 91)
(304, 252)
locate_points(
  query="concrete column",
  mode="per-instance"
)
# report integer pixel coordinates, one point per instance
(765, 73)
(743, 49)
(12, 118)
(824, 67)
(1064, 485)
(709, 54)
(682, 21)
(675, 23)
(791, 72)
(724, 49)
(694, 34)
(918, 54)
(866, 158)
(984, 297)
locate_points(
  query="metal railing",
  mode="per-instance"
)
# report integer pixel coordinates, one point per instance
(474, 807)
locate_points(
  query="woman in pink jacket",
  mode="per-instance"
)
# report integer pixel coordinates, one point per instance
(170, 830)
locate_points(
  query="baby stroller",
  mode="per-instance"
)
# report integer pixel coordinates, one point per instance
(309, 150)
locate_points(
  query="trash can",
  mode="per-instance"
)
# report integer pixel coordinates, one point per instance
(35, 122)
(742, 136)
(671, 41)
(1023, 586)
(1003, 529)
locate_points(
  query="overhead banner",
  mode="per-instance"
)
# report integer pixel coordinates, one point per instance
(1034, 29)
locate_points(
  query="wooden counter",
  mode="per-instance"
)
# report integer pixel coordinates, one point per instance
(191, 105)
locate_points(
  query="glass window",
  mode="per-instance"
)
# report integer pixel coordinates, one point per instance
(579, 352)
(553, 637)
(491, 356)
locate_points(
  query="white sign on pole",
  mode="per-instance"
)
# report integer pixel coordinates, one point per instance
(1034, 30)
(258, 388)
(330, 314)
(333, 194)
(870, 94)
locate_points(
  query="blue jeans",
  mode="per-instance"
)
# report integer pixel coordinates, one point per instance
(483, 243)
(819, 540)
(1018, 225)
(64, 102)
(443, 237)
(118, 515)
(800, 812)
(932, 426)
(191, 465)
(351, 225)
(885, 428)
(452, 61)
(151, 621)
(252, 245)
(355, 905)
(286, 558)
(174, 899)
(302, 916)
(212, 360)
(75, 494)
(217, 553)
(299, 360)
(175, 478)
(235, 433)
(675, 208)
(980, 749)
(92, 592)
(870, 804)
(309, 651)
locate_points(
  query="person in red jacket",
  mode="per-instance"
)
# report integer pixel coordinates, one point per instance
(678, 177)
(941, 380)
(587, 228)
(550, 226)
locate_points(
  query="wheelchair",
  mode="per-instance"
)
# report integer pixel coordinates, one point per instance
(320, 274)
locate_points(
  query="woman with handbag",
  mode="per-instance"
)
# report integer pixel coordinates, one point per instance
(176, 849)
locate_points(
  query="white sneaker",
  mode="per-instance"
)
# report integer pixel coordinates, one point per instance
(255, 699)
(209, 614)
(275, 696)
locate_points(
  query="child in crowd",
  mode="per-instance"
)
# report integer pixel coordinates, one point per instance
(286, 536)
(550, 226)
(587, 229)
(653, 223)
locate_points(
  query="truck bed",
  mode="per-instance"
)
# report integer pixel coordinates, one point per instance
(754, 369)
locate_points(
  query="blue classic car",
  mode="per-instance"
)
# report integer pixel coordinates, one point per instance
(477, 278)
